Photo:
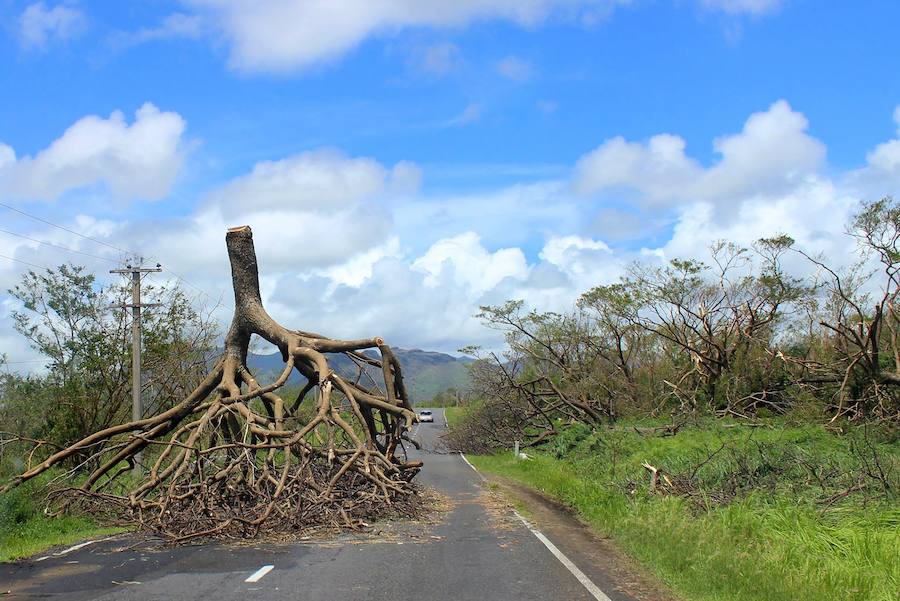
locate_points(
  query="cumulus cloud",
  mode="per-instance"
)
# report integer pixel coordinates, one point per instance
(431, 300)
(377, 255)
(319, 213)
(815, 214)
(659, 169)
(469, 264)
(880, 175)
(140, 160)
(40, 25)
(316, 180)
(772, 153)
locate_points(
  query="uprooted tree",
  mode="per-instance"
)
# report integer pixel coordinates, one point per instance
(233, 458)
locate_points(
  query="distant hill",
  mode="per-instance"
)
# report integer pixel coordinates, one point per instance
(426, 373)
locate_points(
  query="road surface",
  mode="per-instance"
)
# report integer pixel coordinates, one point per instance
(478, 550)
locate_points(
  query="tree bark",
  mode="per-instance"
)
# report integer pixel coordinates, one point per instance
(231, 459)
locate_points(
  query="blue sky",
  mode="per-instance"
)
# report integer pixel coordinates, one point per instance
(424, 157)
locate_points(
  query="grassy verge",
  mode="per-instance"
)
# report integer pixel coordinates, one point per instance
(454, 415)
(776, 540)
(25, 530)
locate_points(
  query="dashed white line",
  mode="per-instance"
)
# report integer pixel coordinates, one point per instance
(258, 574)
(586, 582)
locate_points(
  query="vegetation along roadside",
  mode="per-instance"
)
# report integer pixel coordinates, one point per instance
(734, 424)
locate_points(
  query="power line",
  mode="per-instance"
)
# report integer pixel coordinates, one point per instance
(60, 247)
(198, 289)
(113, 246)
(22, 362)
(24, 262)
(65, 229)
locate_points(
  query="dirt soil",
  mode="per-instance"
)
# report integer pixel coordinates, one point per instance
(598, 557)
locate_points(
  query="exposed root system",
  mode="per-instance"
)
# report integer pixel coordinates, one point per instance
(234, 459)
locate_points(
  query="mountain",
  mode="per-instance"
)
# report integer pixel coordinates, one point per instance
(425, 373)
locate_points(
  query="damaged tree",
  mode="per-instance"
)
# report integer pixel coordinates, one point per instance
(233, 458)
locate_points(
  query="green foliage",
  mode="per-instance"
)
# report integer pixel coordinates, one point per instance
(26, 530)
(778, 541)
(68, 319)
(568, 440)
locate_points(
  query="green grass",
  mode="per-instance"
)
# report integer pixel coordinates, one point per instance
(25, 530)
(772, 541)
(454, 415)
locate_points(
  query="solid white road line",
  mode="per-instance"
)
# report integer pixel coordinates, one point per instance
(480, 475)
(258, 574)
(70, 549)
(586, 582)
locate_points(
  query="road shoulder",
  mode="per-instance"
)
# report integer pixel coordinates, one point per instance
(610, 568)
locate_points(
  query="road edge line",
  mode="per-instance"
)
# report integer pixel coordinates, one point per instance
(586, 582)
(72, 548)
(480, 475)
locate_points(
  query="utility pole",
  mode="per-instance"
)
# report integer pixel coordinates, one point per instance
(137, 410)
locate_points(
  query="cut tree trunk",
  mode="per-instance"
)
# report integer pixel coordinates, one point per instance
(234, 459)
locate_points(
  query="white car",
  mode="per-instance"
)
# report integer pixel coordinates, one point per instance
(425, 416)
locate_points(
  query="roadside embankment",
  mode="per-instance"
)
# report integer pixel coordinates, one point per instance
(730, 511)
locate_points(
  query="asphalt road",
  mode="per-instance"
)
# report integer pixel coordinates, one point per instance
(479, 549)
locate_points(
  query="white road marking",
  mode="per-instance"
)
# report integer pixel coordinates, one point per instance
(472, 466)
(586, 582)
(258, 574)
(70, 549)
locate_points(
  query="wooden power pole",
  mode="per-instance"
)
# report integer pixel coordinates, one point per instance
(137, 409)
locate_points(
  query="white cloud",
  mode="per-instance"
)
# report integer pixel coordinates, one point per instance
(358, 268)
(881, 174)
(349, 246)
(285, 35)
(658, 169)
(736, 7)
(173, 26)
(316, 180)
(470, 114)
(430, 301)
(469, 264)
(40, 25)
(140, 160)
(438, 59)
(317, 213)
(772, 149)
(511, 216)
(815, 214)
(406, 177)
(515, 68)
(772, 153)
